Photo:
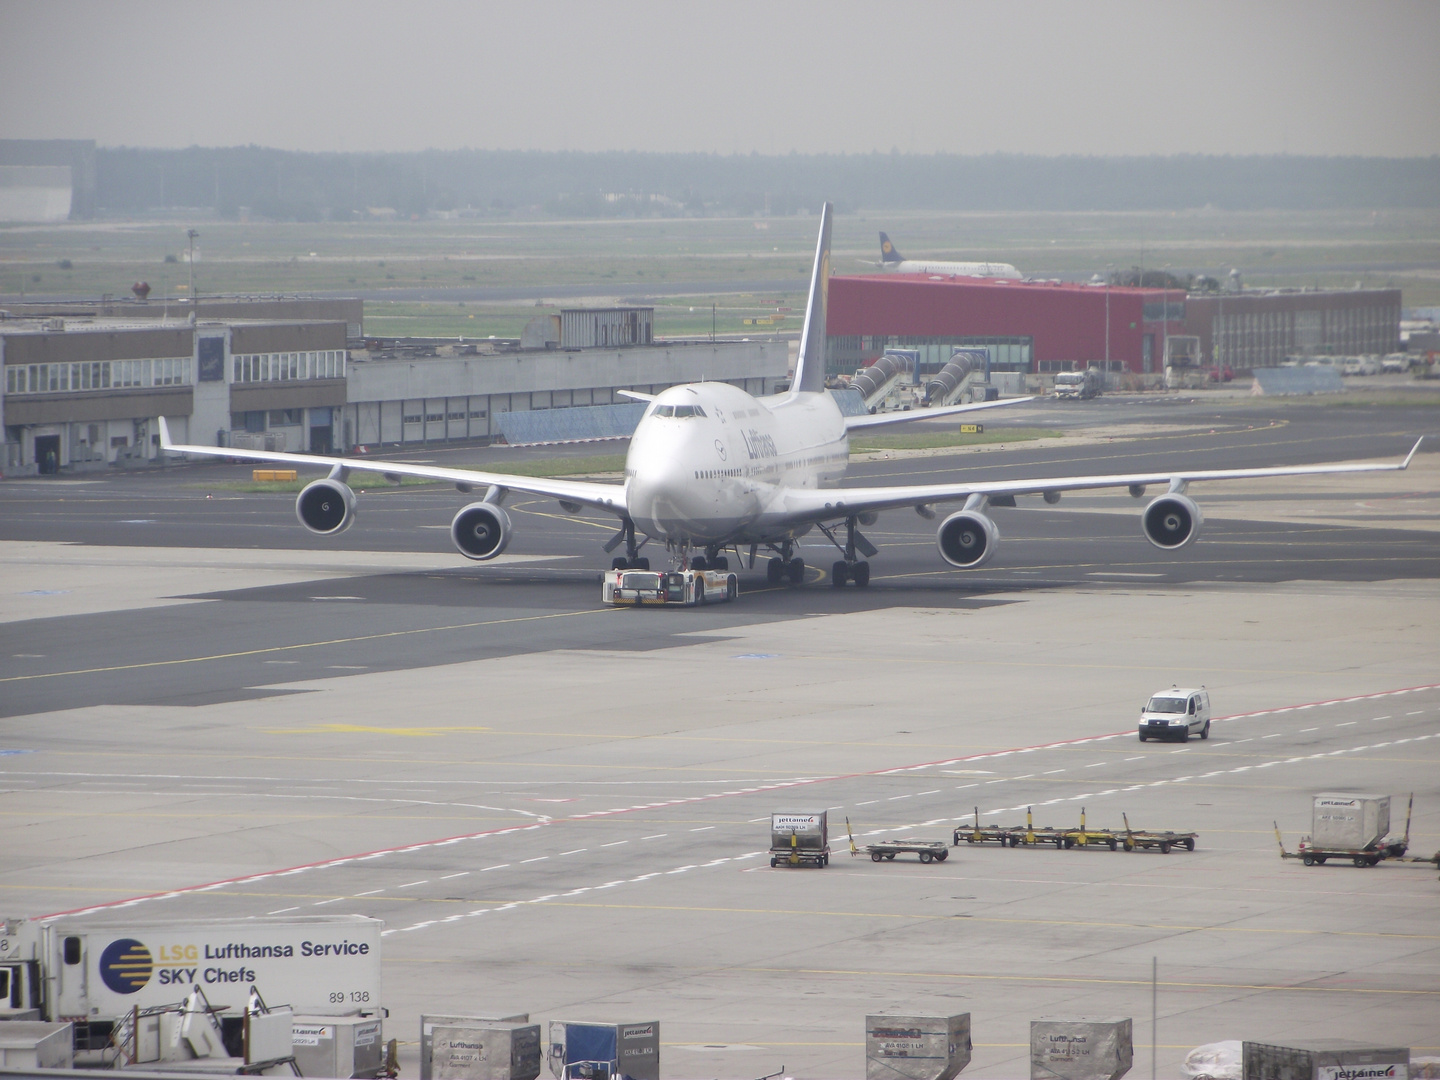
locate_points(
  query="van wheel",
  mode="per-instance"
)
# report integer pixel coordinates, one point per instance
(699, 593)
(1308, 860)
(1143, 736)
(1205, 731)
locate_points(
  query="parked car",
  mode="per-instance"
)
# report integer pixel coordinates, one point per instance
(1176, 713)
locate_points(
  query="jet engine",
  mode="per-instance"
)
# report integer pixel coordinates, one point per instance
(326, 507)
(1171, 521)
(481, 531)
(967, 539)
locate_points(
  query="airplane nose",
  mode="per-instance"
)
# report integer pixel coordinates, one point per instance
(664, 499)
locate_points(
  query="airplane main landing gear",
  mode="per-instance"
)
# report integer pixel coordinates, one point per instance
(787, 565)
(850, 568)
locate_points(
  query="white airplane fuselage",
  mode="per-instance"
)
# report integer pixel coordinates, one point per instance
(953, 269)
(708, 463)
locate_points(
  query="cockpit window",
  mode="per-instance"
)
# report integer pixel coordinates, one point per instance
(678, 410)
(664, 410)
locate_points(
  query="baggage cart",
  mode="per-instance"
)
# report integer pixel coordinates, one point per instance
(928, 850)
(1313, 854)
(1137, 839)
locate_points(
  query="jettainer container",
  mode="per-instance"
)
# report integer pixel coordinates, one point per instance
(916, 1047)
(586, 1051)
(93, 972)
(1325, 1059)
(341, 1046)
(430, 1021)
(1081, 1049)
(493, 1051)
(799, 836)
(1346, 822)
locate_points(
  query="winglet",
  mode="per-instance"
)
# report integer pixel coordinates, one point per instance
(810, 367)
(1406, 463)
(635, 395)
(165, 442)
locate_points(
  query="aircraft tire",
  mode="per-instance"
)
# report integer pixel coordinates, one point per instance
(618, 563)
(796, 571)
(699, 563)
(839, 573)
(641, 563)
(860, 574)
(720, 562)
(774, 571)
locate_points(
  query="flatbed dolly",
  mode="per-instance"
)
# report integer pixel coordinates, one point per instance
(1311, 855)
(1144, 838)
(928, 850)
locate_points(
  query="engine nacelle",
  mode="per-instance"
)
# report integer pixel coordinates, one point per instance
(967, 539)
(480, 531)
(326, 507)
(1171, 521)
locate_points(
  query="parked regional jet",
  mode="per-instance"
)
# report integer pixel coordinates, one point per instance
(711, 468)
(895, 263)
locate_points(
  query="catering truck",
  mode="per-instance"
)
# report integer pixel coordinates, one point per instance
(96, 973)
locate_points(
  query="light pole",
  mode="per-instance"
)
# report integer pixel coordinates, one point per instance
(192, 234)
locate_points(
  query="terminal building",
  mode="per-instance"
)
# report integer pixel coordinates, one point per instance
(83, 384)
(1044, 327)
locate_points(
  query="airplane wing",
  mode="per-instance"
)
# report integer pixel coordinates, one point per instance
(827, 504)
(610, 497)
(883, 419)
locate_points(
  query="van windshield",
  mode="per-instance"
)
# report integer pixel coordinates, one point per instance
(1166, 704)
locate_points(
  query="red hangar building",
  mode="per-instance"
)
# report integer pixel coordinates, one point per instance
(1043, 327)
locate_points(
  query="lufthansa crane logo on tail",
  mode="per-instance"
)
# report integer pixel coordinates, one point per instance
(886, 248)
(126, 966)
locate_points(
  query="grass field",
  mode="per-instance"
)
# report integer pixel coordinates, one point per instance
(678, 264)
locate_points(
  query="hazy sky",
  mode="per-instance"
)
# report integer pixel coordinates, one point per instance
(1028, 76)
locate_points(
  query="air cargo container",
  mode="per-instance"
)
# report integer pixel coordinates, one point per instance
(1325, 1059)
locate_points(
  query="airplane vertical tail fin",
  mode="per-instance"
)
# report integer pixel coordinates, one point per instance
(810, 367)
(888, 254)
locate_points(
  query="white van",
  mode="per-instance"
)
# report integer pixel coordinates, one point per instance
(1176, 713)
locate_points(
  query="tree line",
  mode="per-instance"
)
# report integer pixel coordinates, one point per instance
(288, 185)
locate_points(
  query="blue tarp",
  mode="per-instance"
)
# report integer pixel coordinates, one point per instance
(1281, 381)
(582, 424)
